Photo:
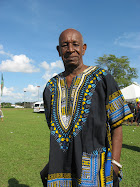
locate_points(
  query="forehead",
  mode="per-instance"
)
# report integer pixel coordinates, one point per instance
(70, 36)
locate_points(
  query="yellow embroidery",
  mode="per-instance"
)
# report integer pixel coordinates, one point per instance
(119, 122)
(110, 177)
(102, 170)
(59, 175)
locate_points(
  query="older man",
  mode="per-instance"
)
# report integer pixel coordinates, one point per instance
(84, 109)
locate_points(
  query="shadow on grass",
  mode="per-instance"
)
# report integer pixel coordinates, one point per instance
(37, 112)
(15, 183)
(134, 148)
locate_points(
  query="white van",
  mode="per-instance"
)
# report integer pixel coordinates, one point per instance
(39, 106)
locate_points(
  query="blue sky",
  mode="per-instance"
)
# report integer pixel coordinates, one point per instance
(30, 30)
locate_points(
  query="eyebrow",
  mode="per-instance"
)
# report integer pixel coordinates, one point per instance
(70, 42)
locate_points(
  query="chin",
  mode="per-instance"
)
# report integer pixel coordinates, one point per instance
(72, 63)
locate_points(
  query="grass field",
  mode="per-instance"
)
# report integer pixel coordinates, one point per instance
(24, 150)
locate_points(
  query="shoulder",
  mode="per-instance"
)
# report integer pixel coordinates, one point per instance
(98, 71)
(101, 74)
(53, 81)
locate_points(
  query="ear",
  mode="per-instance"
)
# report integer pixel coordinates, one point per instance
(58, 49)
(84, 49)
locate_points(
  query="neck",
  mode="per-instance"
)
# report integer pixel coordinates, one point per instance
(74, 71)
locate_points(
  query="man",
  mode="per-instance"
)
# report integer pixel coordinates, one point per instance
(84, 109)
(132, 109)
(138, 113)
(1, 114)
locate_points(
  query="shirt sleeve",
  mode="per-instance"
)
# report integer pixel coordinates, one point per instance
(116, 107)
(47, 104)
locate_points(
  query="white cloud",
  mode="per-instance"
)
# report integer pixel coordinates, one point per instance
(45, 65)
(19, 63)
(52, 65)
(57, 64)
(52, 69)
(10, 96)
(131, 40)
(8, 91)
(1, 47)
(31, 94)
(47, 76)
(2, 52)
(54, 74)
(31, 88)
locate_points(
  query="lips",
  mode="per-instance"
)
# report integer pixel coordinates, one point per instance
(71, 58)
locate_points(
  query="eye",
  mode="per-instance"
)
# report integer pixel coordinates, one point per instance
(76, 44)
(64, 45)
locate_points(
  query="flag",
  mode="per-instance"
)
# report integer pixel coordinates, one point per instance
(2, 84)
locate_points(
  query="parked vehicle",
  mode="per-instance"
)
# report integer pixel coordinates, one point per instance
(39, 106)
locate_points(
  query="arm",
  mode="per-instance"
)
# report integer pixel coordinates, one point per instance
(116, 146)
(47, 104)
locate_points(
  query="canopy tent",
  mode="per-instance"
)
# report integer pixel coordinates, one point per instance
(132, 92)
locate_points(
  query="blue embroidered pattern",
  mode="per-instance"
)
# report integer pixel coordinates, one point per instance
(61, 180)
(92, 174)
(81, 105)
(117, 109)
(90, 169)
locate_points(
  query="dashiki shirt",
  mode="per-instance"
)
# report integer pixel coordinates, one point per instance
(81, 119)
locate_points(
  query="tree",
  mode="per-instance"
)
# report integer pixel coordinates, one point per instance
(119, 68)
(5, 105)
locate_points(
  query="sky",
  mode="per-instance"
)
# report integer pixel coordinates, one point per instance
(29, 32)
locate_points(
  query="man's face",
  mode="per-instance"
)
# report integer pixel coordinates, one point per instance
(71, 48)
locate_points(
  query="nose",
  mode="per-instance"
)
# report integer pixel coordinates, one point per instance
(70, 48)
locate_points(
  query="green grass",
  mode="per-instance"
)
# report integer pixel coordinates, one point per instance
(24, 147)
(24, 150)
(130, 157)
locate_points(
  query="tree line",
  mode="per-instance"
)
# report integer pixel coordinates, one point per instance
(119, 68)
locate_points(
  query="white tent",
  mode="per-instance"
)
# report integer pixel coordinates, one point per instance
(131, 92)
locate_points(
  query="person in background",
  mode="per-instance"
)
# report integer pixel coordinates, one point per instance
(84, 109)
(132, 108)
(138, 113)
(1, 114)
